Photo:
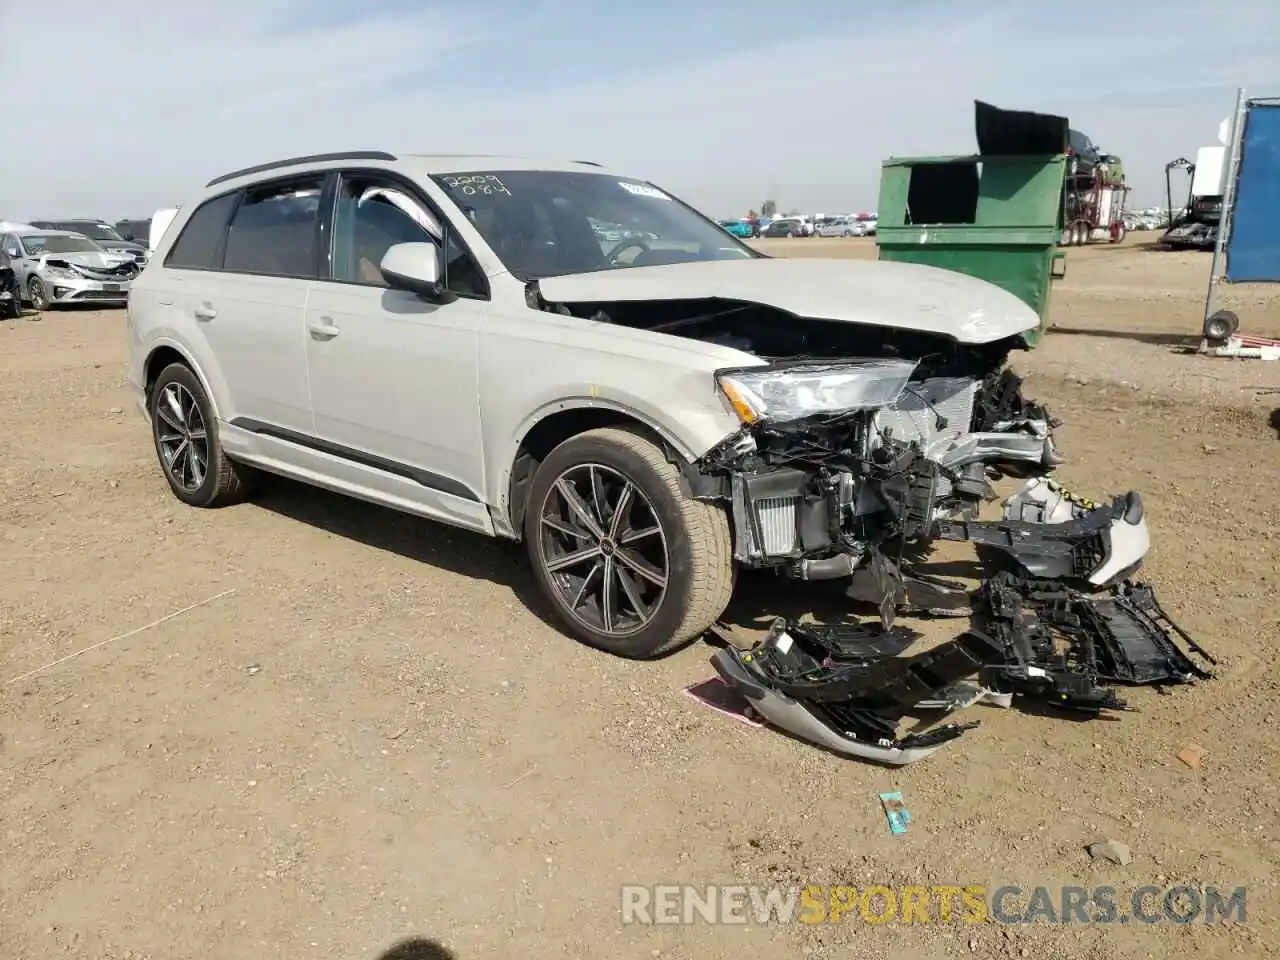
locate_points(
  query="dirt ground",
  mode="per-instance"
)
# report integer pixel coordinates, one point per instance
(377, 736)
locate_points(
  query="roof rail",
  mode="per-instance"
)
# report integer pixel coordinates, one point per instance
(589, 163)
(294, 161)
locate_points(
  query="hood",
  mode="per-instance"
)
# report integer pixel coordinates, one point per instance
(92, 259)
(879, 293)
(124, 246)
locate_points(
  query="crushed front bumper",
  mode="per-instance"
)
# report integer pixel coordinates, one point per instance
(812, 685)
(848, 689)
(68, 287)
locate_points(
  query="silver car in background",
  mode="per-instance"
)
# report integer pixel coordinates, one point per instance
(840, 227)
(54, 267)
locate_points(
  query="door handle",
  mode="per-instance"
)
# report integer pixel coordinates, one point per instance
(323, 328)
(165, 303)
(204, 312)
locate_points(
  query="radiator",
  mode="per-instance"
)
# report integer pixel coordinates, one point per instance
(911, 418)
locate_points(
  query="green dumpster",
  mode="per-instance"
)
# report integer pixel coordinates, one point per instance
(992, 215)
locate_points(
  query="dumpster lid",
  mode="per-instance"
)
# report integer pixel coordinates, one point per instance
(1019, 132)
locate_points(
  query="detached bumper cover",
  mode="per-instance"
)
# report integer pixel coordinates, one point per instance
(818, 686)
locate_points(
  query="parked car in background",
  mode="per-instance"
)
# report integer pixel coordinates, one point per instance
(135, 231)
(10, 294)
(55, 267)
(739, 228)
(100, 232)
(158, 224)
(868, 222)
(840, 227)
(784, 227)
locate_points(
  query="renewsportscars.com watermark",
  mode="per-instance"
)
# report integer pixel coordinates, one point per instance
(979, 903)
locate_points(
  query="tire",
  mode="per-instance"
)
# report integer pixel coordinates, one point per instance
(847, 234)
(216, 482)
(692, 542)
(1221, 326)
(37, 296)
(12, 307)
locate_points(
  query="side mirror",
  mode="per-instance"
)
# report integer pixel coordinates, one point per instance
(414, 267)
(13, 252)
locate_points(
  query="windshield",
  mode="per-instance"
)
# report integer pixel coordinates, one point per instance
(95, 231)
(544, 223)
(40, 243)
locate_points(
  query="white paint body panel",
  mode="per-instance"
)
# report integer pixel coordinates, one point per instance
(904, 296)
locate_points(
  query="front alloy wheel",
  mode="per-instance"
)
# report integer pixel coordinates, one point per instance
(629, 562)
(604, 549)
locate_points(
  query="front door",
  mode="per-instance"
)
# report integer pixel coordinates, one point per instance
(394, 378)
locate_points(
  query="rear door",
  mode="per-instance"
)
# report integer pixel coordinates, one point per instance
(241, 270)
(394, 378)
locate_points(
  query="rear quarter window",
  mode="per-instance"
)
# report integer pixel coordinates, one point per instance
(199, 246)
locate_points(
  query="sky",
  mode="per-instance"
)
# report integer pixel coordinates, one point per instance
(114, 111)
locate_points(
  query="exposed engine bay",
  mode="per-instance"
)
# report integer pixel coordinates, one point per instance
(859, 448)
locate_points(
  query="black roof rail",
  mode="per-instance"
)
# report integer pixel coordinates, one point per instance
(589, 163)
(294, 161)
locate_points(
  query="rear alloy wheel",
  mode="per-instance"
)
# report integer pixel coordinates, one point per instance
(37, 295)
(629, 563)
(186, 438)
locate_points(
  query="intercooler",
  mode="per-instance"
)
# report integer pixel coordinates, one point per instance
(773, 517)
(779, 514)
(776, 518)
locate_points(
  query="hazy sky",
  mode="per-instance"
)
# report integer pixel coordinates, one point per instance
(114, 110)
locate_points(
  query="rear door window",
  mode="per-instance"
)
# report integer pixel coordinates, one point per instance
(273, 231)
(199, 246)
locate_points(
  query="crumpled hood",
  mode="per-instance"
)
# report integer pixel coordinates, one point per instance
(92, 259)
(879, 293)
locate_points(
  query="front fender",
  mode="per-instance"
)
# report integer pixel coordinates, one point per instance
(690, 435)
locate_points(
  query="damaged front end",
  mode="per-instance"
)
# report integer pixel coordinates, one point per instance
(836, 461)
(892, 463)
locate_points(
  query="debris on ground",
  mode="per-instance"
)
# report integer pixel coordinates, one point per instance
(895, 811)
(722, 698)
(1191, 755)
(1112, 850)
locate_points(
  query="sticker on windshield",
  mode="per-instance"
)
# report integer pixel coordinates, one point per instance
(643, 190)
(477, 185)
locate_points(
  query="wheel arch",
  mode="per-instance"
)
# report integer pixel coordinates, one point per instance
(553, 426)
(161, 355)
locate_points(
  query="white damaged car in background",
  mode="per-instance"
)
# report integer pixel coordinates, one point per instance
(454, 338)
(57, 267)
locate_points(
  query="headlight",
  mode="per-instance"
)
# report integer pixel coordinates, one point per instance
(783, 394)
(59, 273)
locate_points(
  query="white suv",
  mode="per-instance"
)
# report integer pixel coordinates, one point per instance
(456, 337)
